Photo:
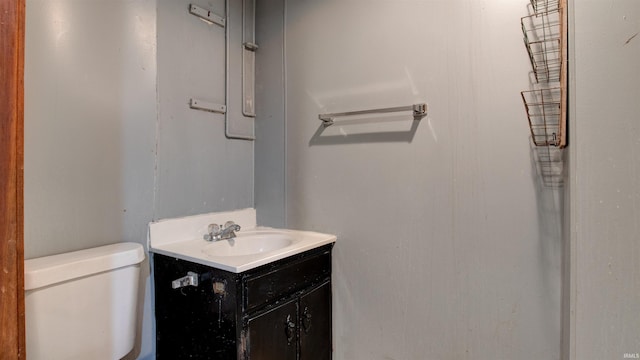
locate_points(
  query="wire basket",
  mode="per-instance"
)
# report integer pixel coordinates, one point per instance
(549, 165)
(544, 114)
(544, 5)
(542, 36)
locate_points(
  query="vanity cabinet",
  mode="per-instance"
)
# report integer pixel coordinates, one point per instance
(305, 323)
(277, 311)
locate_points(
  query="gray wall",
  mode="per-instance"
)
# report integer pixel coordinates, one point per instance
(448, 247)
(110, 143)
(605, 180)
(90, 114)
(270, 126)
(199, 170)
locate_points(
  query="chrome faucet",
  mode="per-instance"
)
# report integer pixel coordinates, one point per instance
(228, 231)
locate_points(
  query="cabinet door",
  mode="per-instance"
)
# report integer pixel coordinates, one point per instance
(315, 324)
(274, 335)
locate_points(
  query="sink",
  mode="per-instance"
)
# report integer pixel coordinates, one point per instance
(249, 243)
(253, 245)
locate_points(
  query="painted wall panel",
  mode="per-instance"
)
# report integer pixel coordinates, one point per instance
(270, 124)
(90, 115)
(606, 180)
(199, 170)
(448, 248)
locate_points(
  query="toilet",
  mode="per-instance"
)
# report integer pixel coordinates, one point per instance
(82, 304)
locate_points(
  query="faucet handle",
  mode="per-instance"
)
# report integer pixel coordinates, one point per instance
(214, 228)
(232, 225)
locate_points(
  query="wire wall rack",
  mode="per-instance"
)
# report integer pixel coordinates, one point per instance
(544, 35)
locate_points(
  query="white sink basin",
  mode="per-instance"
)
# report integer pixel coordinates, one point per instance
(249, 243)
(253, 246)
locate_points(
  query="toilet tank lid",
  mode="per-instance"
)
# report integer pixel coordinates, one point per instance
(53, 269)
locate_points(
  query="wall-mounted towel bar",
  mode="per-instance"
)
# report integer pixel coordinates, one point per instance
(419, 111)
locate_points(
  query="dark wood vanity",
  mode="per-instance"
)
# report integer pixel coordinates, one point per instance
(277, 311)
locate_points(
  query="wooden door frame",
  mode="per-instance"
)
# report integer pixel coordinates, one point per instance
(12, 337)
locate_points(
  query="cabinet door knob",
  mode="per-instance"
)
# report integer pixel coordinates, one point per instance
(290, 329)
(306, 319)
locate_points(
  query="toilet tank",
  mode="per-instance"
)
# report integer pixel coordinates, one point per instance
(82, 304)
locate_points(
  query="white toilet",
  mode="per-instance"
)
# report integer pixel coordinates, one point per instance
(82, 304)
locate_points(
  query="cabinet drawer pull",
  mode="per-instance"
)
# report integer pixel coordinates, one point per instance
(306, 320)
(191, 279)
(290, 329)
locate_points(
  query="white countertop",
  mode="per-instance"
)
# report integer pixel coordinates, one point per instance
(183, 238)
